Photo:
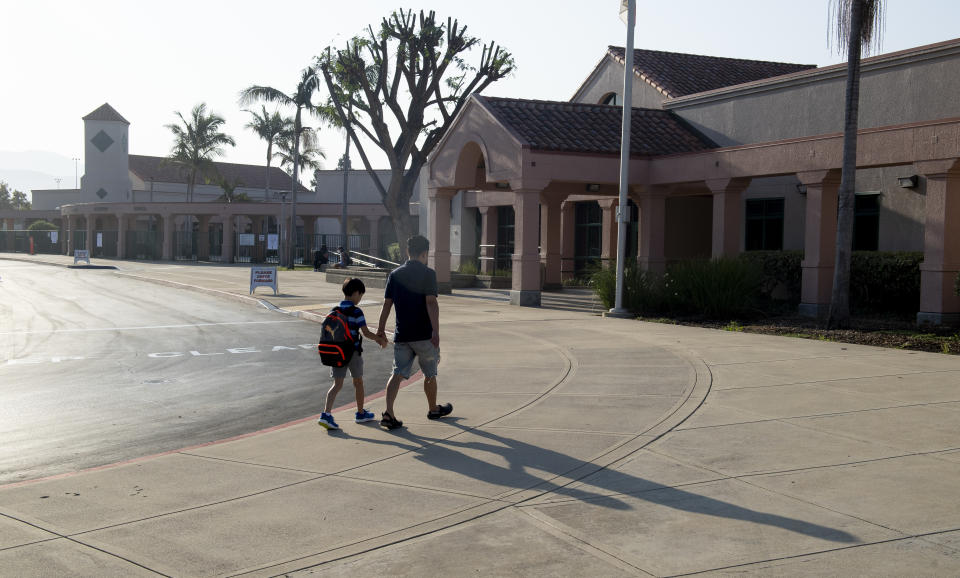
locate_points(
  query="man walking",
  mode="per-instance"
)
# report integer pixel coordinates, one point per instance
(412, 288)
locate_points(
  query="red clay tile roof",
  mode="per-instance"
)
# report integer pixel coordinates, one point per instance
(594, 128)
(676, 74)
(106, 112)
(251, 176)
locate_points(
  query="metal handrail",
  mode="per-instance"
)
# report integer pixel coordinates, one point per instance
(372, 258)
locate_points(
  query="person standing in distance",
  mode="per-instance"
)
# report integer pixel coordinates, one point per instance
(412, 289)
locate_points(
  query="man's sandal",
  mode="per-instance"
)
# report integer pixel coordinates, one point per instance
(390, 422)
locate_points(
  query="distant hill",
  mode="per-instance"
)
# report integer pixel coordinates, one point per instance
(28, 170)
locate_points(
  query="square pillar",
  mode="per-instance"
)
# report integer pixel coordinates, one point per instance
(439, 256)
(526, 286)
(166, 251)
(568, 227)
(203, 238)
(939, 304)
(727, 215)
(653, 225)
(88, 245)
(608, 234)
(226, 249)
(819, 241)
(374, 225)
(488, 239)
(71, 230)
(550, 240)
(121, 236)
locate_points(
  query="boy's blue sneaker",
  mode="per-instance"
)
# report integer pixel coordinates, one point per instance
(365, 415)
(326, 420)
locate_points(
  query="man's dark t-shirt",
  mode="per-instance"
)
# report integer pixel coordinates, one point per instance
(408, 287)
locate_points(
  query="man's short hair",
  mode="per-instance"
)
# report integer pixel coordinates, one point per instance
(417, 245)
(351, 286)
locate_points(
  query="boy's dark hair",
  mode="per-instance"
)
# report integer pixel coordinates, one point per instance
(417, 245)
(351, 286)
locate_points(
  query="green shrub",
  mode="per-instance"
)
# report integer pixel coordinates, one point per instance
(717, 289)
(42, 226)
(468, 268)
(885, 282)
(393, 253)
(781, 274)
(642, 291)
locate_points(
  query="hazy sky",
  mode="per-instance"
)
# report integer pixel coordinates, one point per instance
(60, 60)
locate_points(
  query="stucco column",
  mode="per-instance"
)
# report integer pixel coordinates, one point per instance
(819, 241)
(651, 254)
(526, 286)
(121, 236)
(608, 230)
(550, 243)
(203, 238)
(488, 236)
(166, 246)
(727, 215)
(568, 227)
(439, 255)
(71, 230)
(226, 248)
(91, 221)
(374, 225)
(939, 305)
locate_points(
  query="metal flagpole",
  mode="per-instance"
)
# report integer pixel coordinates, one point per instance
(623, 210)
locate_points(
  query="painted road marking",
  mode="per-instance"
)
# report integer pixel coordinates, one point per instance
(165, 354)
(234, 350)
(134, 328)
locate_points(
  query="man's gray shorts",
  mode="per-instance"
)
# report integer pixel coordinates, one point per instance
(427, 356)
(355, 366)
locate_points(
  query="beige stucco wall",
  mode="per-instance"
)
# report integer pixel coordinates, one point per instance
(895, 89)
(607, 78)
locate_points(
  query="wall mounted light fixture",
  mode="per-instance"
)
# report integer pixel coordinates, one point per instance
(801, 188)
(593, 188)
(908, 182)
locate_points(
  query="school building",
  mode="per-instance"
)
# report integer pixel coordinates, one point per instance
(138, 207)
(727, 155)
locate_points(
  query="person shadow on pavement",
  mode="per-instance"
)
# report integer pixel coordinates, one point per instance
(562, 472)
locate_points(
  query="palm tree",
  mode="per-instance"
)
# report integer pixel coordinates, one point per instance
(196, 143)
(269, 127)
(859, 24)
(301, 99)
(309, 153)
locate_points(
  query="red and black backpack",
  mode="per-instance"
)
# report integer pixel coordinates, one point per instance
(336, 345)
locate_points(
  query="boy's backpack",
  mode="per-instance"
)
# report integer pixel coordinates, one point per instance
(336, 345)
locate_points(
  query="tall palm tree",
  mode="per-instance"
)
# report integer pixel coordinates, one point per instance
(859, 24)
(301, 99)
(197, 142)
(269, 127)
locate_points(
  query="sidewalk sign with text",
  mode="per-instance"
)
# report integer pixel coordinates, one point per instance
(81, 255)
(263, 277)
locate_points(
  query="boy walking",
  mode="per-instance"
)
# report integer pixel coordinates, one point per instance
(412, 288)
(353, 290)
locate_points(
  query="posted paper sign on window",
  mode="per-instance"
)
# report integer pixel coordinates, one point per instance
(273, 242)
(263, 277)
(247, 239)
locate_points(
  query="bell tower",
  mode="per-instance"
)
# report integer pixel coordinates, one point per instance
(106, 174)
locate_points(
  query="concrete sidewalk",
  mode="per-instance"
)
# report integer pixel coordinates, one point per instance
(578, 446)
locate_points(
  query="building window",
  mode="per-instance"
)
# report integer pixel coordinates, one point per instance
(587, 235)
(611, 98)
(764, 227)
(866, 222)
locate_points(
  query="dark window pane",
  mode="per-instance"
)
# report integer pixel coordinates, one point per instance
(866, 223)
